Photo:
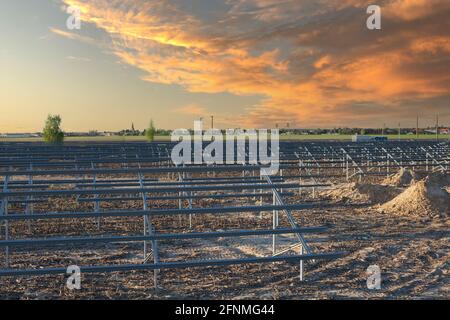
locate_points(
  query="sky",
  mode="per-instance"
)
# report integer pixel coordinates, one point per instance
(250, 63)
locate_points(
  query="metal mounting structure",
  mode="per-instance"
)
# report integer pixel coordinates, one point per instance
(108, 173)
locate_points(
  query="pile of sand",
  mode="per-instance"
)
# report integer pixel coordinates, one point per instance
(439, 178)
(361, 193)
(402, 178)
(425, 197)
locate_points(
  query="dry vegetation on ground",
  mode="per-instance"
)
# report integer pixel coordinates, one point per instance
(400, 224)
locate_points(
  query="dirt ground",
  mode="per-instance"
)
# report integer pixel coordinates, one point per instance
(412, 252)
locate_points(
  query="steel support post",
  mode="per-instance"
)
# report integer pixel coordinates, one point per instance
(301, 264)
(97, 202)
(29, 205)
(274, 224)
(5, 212)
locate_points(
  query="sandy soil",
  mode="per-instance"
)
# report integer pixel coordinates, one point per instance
(412, 251)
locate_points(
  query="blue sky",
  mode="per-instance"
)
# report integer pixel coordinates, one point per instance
(44, 73)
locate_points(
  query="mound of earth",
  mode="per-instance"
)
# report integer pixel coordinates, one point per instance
(425, 197)
(361, 193)
(440, 179)
(402, 178)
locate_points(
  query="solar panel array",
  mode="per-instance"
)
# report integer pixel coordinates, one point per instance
(102, 176)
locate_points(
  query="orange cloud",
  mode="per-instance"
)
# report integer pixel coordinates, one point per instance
(73, 36)
(311, 61)
(415, 9)
(192, 110)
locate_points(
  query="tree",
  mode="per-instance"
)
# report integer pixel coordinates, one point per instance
(150, 132)
(52, 131)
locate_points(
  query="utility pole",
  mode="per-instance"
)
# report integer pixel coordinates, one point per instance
(384, 129)
(399, 131)
(437, 127)
(212, 122)
(417, 127)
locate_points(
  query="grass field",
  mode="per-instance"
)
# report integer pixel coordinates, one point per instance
(349, 137)
(89, 139)
(282, 137)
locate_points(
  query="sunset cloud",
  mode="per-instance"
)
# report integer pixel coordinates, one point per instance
(192, 110)
(311, 62)
(72, 36)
